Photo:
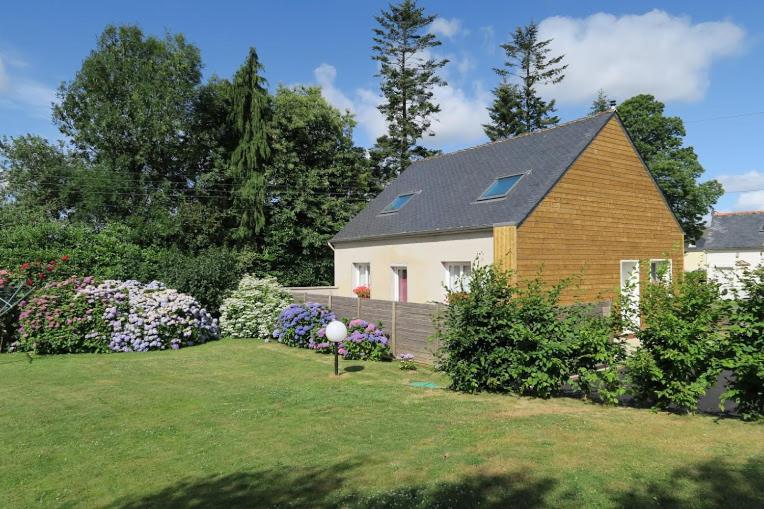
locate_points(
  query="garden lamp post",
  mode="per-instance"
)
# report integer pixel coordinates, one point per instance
(336, 332)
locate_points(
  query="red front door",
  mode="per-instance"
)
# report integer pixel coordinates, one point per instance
(403, 285)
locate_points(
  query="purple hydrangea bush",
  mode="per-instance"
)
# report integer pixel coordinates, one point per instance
(82, 315)
(366, 341)
(302, 325)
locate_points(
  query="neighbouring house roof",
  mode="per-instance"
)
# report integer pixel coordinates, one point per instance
(733, 230)
(447, 186)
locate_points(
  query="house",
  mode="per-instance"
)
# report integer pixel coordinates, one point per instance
(733, 242)
(575, 199)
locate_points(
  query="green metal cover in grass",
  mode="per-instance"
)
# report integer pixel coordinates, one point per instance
(425, 385)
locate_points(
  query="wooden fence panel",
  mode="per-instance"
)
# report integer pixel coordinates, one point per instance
(410, 326)
(379, 312)
(345, 307)
(414, 330)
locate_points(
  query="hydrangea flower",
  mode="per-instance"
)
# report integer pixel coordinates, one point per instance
(302, 325)
(251, 311)
(121, 316)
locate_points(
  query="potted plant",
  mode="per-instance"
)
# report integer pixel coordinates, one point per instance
(362, 292)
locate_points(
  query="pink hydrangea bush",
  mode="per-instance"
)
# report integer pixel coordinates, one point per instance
(82, 315)
(365, 341)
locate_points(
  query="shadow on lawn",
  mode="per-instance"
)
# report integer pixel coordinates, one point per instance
(711, 484)
(318, 488)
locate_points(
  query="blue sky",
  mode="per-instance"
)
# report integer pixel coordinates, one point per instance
(703, 59)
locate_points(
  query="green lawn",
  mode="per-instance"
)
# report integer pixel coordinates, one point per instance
(239, 423)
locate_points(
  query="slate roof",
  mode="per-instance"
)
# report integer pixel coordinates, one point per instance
(448, 185)
(734, 230)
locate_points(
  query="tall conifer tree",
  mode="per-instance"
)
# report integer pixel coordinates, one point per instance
(409, 75)
(529, 65)
(600, 103)
(250, 112)
(505, 121)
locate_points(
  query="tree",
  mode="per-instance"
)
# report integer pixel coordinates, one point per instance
(505, 120)
(528, 62)
(600, 104)
(409, 75)
(659, 140)
(250, 115)
(36, 175)
(130, 107)
(317, 181)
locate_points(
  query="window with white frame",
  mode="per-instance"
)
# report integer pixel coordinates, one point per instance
(361, 273)
(660, 270)
(457, 275)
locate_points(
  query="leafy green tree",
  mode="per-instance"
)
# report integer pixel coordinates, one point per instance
(659, 140)
(503, 112)
(409, 74)
(600, 104)
(130, 107)
(36, 175)
(317, 180)
(250, 116)
(529, 63)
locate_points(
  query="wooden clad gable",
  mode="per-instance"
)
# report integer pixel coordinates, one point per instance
(604, 209)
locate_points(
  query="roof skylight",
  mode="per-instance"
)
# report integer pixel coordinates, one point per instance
(500, 187)
(398, 203)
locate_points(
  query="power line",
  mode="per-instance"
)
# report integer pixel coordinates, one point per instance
(725, 117)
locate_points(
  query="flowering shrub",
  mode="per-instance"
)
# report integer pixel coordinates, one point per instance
(365, 341)
(302, 325)
(253, 308)
(362, 292)
(407, 361)
(80, 315)
(17, 284)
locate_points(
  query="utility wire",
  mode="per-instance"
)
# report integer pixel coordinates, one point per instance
(725, 117)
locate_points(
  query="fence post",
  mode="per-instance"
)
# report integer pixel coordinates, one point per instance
(358, 307)
(330, 301)
(393, 332)
(304, 297)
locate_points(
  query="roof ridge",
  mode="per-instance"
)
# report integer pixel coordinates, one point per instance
(523, 135)
(741, 213)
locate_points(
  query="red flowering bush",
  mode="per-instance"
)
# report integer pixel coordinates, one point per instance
(362, 292)
(16, 284)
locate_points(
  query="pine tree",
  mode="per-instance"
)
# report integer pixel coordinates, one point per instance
(529, 63)
(505, 119)
(408, 75)
(600, 103)
(250, 111)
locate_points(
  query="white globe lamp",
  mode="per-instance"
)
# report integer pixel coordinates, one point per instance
(336, 332)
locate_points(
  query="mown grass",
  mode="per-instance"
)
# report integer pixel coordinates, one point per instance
(241, 424)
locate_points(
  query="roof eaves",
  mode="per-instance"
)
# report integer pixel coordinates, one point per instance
(422, 233)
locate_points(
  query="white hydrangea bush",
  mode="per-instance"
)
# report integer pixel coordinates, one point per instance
(252, 309)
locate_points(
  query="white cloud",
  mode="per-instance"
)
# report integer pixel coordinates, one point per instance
(363, 104)
(489, 38)
(667, 56)
(753, 200)
(742, 182)
(20, 93)
(464, 63)
(463, 111)
(446, 27)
